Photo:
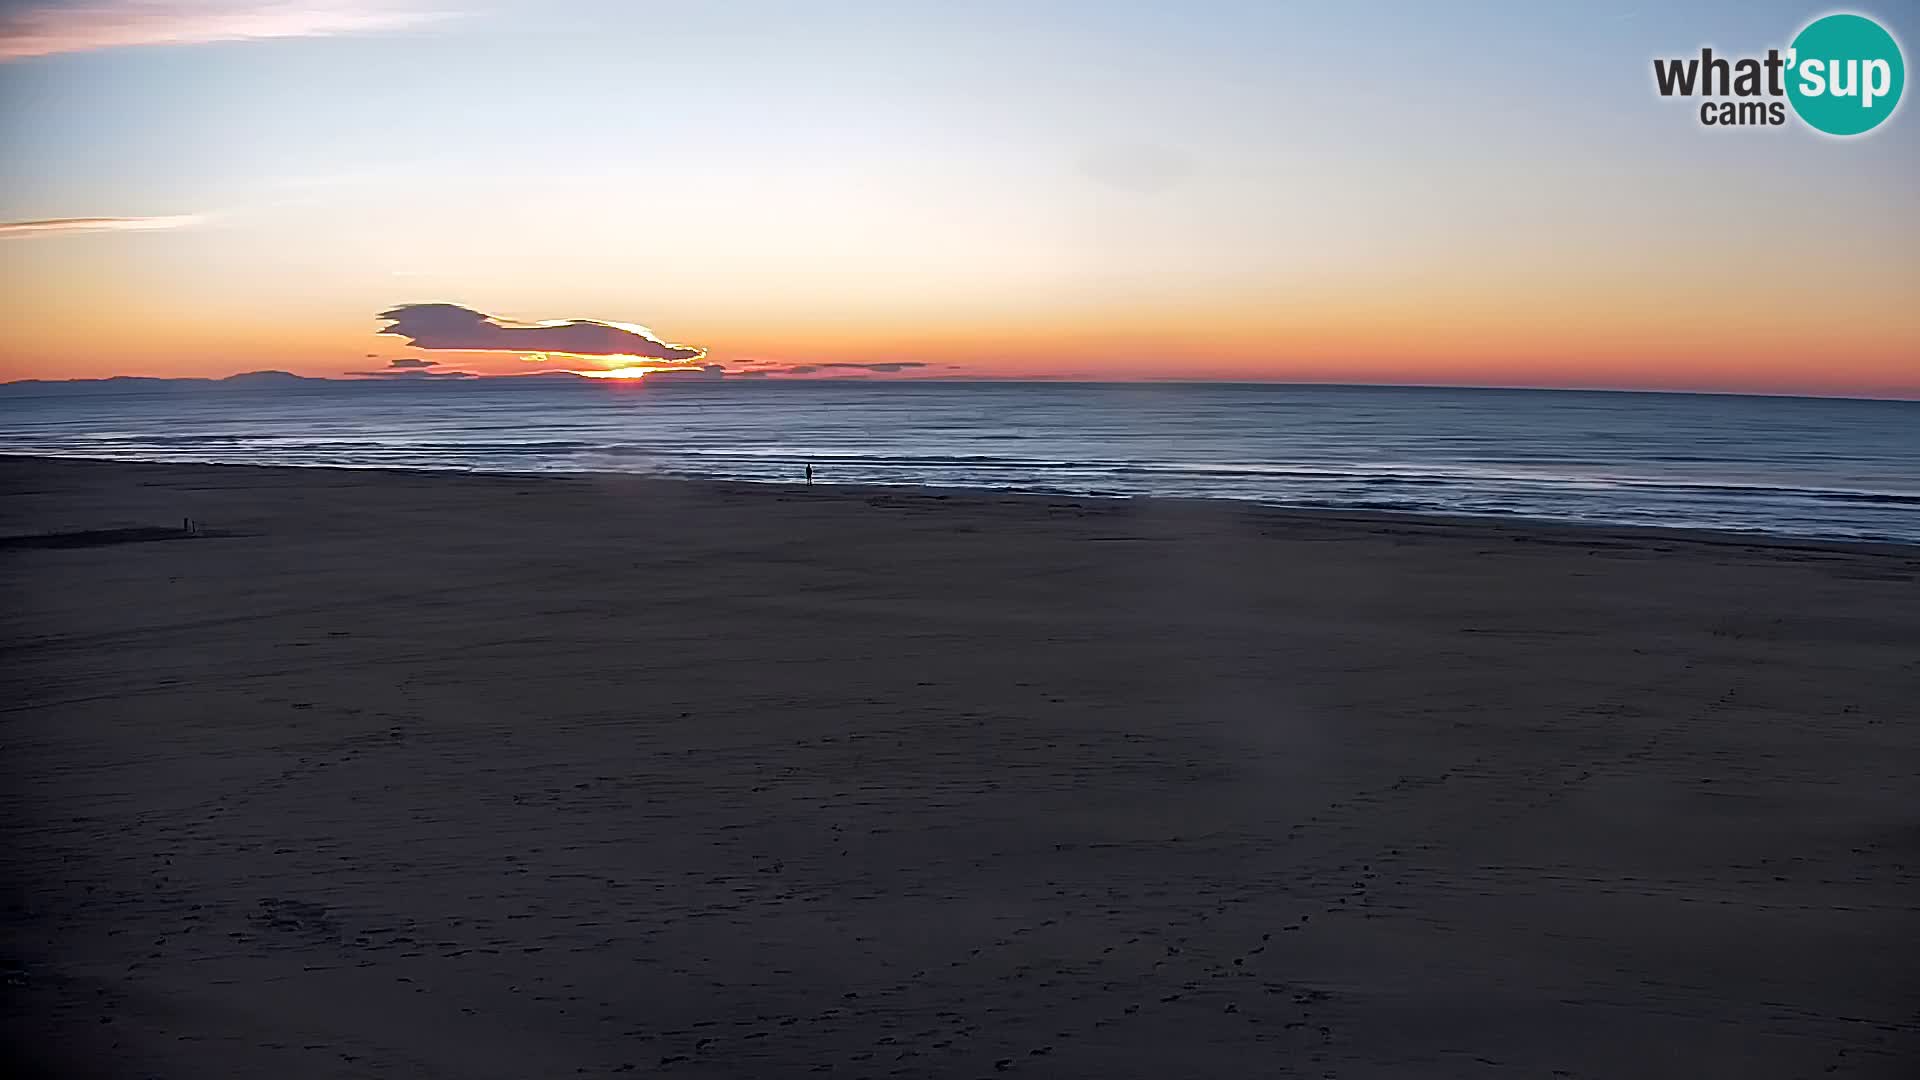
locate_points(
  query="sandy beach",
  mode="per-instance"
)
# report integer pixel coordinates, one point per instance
(438, 775)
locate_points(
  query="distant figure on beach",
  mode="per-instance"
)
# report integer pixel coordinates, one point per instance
(809, 475)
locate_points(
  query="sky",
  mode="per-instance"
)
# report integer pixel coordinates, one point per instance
(1482, 194)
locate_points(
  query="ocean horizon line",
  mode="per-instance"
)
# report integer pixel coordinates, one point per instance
(280, 379)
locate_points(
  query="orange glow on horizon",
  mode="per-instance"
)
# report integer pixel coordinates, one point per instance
(621, 372)
(1587, 329)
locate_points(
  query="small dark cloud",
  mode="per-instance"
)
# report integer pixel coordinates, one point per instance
(413, 362)
(450, 326)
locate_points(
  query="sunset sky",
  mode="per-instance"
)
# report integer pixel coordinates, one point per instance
(1488, 193)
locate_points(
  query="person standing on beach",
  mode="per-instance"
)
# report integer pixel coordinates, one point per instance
(809, 474)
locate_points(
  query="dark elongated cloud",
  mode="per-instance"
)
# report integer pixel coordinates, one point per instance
(703, 373)
(412, 362)
(413, 374)
(809, 369)
(900, 365)
(450, 326)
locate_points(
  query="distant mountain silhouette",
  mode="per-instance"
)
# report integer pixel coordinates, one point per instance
(269, 378)
(249, 380)
(147, 383)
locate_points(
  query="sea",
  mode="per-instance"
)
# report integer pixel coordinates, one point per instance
(1785, 466)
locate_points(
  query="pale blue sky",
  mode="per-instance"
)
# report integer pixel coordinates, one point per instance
(525, 89)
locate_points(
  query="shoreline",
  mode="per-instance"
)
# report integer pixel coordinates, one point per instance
(1328, 515)
(163, 384)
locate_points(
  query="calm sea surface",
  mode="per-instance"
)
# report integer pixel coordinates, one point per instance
(1792, 466)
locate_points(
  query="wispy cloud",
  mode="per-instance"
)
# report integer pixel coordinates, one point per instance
(49, 28)
(47, 226)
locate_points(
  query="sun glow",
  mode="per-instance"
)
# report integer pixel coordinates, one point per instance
(621, 372)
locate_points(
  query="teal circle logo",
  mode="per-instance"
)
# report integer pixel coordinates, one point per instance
(1845, 74)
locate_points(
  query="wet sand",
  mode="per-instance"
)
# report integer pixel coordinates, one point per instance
(414, 775)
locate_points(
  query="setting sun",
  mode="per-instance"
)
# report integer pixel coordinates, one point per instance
(620, 373)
